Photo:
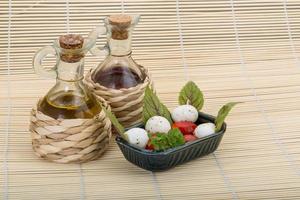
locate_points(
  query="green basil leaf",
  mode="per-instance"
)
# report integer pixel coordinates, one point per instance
(223, 112)
(115, 122)
(175, 138)
(153, 106)
(192, 95)
(160, 142)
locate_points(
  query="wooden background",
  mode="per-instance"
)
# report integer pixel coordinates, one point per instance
(235, 50)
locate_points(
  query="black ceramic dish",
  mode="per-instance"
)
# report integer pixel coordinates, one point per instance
(160, 161)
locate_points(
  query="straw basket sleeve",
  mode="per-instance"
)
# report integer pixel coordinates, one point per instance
(69, 140)
(126, 103)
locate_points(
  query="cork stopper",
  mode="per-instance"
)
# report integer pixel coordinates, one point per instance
(69, 42)
(120, 20)
(120, 24)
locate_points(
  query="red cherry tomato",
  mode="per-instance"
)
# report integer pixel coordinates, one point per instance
(186, 128)
(149, 146)
(189, 138)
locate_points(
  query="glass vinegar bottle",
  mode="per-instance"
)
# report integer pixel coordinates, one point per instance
(119, 70)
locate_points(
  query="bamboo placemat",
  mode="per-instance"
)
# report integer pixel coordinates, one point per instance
(235, 50)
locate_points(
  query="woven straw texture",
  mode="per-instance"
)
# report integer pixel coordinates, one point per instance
(126, 104)
(235, 50)
(69, 140)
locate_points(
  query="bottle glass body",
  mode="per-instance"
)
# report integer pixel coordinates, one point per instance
(69, 98)
(118, 70)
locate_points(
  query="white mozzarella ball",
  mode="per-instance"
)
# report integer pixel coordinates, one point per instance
(185, 113)
(158, 124)
(205, 129)
(138, 137)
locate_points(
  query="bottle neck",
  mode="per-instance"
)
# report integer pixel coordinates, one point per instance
(70, 72)
(120, 47)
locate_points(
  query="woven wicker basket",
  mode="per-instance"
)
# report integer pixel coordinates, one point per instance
(70, 140)
(126, 103)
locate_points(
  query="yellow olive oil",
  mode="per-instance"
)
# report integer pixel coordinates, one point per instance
(66, 105)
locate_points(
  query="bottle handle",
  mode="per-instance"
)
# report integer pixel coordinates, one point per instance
(38, 59)
(94, 34)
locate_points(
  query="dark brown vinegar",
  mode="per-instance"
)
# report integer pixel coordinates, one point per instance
(69, 106)
(117, 77)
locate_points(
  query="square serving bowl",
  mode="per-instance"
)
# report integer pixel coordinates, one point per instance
(160, 161)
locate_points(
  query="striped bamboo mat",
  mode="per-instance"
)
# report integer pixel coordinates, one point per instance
(235, 50)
